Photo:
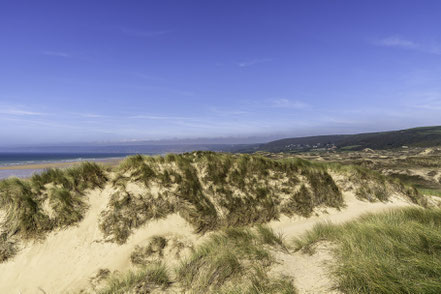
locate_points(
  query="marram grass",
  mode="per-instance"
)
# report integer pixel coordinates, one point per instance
(231, 261)
(398, 251)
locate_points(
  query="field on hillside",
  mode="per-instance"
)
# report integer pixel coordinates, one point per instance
(206, 222)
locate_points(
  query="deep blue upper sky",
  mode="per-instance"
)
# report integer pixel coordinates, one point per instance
(89, 71)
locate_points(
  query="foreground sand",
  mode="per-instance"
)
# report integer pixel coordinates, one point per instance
(66, 260)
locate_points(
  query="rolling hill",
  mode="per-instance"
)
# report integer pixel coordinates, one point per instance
(415, 137)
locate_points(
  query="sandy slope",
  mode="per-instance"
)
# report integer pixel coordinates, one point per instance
(297, 225)
(310, 272)
(65, 260)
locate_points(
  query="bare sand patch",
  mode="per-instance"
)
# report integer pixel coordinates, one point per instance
(310, 272)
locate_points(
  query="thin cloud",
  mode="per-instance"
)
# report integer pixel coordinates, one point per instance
(57, 54)
(143, 34)
(286, 103)
(20, 112)
(90, 115)
(398, 42)
(254, 62)
(158, 117)
(227, 112)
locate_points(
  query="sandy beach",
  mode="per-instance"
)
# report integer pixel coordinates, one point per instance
(45, 165)
(27, 170)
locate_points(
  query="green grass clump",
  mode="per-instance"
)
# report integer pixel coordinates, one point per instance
(151, 277)
(8, 248)
(130, 211)
(397, 251)
(68, 207)
(260, 283)
(234, 260)
(268, 237)
(372, 192)
(231, 258)
(153, 251)
(23, 208)
(86, 175)
(431, 192)
(49, 200)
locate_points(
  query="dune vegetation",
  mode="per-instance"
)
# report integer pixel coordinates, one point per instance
(397, 251)
(226, 199)
(50, 200)
(210, 190)
(213, 190)
(233, 260)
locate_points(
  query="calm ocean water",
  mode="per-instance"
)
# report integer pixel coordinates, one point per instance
(11, 159)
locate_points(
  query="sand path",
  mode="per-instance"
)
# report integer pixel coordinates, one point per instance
(310, 272)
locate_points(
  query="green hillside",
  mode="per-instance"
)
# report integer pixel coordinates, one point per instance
(416, 137)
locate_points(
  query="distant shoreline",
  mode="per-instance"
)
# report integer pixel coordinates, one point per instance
(27, 170)
(44, 165)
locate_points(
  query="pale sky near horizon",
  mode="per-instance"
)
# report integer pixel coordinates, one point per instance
(93, 71)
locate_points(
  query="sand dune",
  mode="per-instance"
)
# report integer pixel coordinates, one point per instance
(138, 206)
(66, 260)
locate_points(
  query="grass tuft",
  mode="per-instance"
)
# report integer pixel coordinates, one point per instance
(393, 252)
(68, 207)
(145, 280)
(8, 248)
(153, 251)
(49, 200)
(230, 258)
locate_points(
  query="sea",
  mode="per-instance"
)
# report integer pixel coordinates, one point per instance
(9, 160)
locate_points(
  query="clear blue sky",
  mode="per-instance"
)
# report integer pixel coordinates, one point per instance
(93, 71)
